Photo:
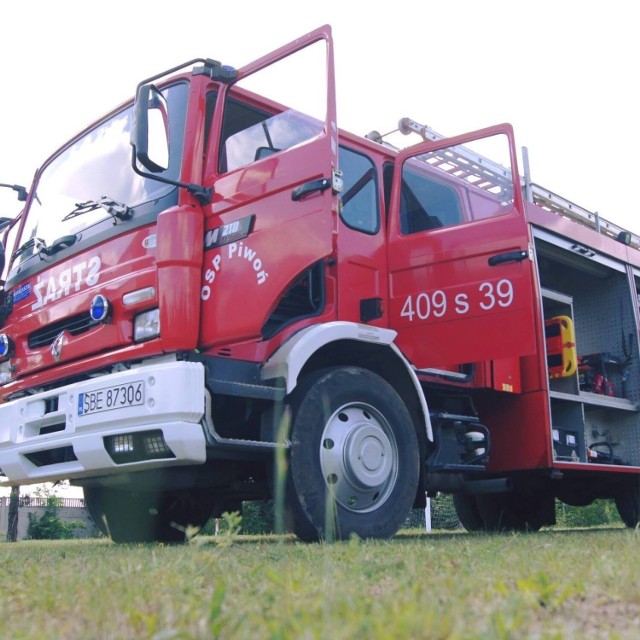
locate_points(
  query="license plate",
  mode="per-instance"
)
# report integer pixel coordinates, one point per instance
(117, 396)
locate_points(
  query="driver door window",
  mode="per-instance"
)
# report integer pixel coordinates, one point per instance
(251, 134)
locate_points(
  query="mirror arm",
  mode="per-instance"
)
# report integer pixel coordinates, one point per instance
(22, 192)
(203, 194)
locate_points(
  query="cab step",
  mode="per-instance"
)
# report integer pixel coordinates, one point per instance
(462, 444)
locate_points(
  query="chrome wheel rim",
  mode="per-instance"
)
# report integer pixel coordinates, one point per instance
(359, 457)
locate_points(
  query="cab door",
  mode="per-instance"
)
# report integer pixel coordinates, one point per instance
(271, 159)
(462, 286)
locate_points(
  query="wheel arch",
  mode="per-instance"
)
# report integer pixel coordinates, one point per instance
(351, 344)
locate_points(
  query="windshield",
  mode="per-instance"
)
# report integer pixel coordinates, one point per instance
(95, 168)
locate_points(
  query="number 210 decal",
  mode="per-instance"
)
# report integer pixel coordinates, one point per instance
(485, 297)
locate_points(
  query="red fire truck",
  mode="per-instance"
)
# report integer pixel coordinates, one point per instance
(214, 295)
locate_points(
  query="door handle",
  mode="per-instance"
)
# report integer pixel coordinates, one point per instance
(510, 256)
(583, 251)
(309, 187)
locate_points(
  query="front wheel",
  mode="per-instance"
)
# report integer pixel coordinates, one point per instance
(354, 461)
(149, 516)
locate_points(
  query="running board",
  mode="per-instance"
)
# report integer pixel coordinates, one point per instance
(217, 443)
(228, 377)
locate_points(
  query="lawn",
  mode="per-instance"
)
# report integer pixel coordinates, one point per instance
(553, 584)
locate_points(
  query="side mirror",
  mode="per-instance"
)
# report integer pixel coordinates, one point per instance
(150, 130)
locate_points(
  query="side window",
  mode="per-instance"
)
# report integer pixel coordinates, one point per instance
(427, 204)
(360, 207)
(238, 118)
(250, 134)
(277, 106)
(456, 184)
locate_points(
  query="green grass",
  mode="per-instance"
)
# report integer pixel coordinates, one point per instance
(554, 584)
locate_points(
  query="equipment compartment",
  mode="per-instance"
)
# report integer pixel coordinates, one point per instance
(598, 400)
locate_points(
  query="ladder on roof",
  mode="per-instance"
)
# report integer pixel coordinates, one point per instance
(494, 176)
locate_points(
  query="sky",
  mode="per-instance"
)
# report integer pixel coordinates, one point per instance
(564, 74)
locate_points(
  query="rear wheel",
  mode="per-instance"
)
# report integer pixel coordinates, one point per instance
(516, 510)
(502, 512)
(354, 461)
(627, 500)
(468, 513)
(149, 516)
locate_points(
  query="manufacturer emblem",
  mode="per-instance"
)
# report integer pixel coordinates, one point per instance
(56, 346)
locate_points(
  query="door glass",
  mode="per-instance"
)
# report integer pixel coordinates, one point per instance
(296, 85)
(261, 135)
(455, 185)
(359, 200)
(298, 81)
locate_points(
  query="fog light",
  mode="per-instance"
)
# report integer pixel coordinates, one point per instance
(155, 445)
(137, 447)
(146, 325)
(122, 444)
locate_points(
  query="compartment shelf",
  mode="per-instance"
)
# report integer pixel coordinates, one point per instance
(595, 400)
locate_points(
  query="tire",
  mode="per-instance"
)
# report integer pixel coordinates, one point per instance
(468, 513)
(354, 461)
(627, 500)
(94, 507)
(515, 511)
(500, 512)
(146, 516)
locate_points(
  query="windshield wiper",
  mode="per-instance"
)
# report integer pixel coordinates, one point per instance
(33, 243)
(114, 208)
(40, 247)
(60, 243)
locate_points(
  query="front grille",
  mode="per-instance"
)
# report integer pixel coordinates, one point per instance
(75, 325)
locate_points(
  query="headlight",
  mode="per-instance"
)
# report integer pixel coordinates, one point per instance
(6, 345)
(146, 325)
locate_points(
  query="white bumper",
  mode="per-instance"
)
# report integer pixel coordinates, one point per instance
(66, 432)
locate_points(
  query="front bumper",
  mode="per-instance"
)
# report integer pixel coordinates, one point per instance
(146, 417)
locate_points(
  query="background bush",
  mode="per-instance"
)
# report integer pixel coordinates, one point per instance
(599, 513)
(258, 517)
(50, 527)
